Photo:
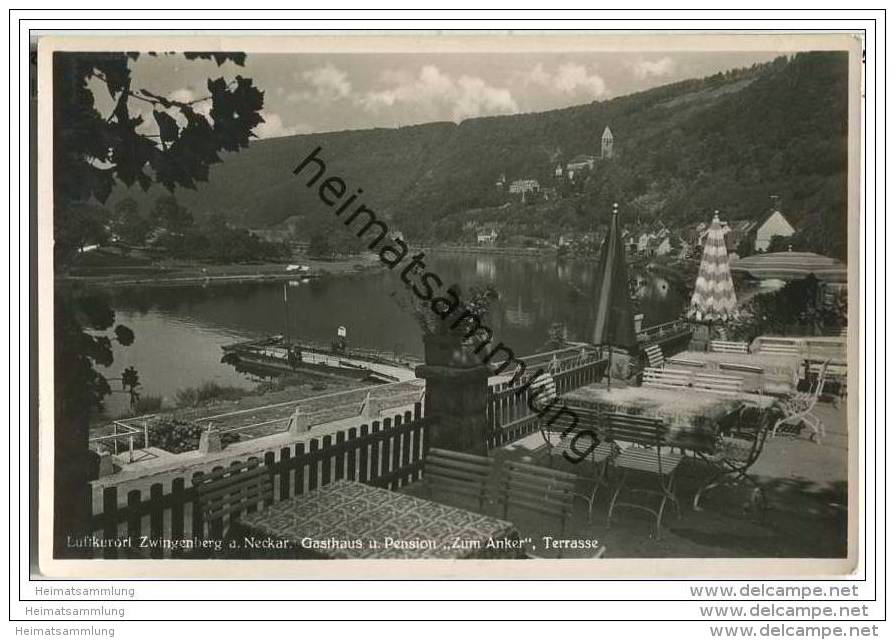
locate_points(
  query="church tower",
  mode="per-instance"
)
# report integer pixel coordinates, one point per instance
(606, 149)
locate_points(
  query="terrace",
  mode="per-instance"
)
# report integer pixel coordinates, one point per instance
(804, 482)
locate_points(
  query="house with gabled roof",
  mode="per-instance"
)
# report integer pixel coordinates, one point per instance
(772, 224)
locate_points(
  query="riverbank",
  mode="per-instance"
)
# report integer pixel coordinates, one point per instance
(126, 271)
(491, 250)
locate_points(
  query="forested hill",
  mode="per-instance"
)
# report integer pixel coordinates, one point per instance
(724, 142)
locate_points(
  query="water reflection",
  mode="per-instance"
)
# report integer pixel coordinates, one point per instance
(179, 330)
(485, 267)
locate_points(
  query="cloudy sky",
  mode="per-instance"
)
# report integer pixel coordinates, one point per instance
(305, 93)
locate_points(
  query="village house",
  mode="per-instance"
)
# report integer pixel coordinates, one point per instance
(587, 162)
(524, 186)
(549, 193)
(664, 247)
(760, 232)
(734, 234)
(487, 237)
(581, 162)
(688, 248)
(772, 224)
(643, 241)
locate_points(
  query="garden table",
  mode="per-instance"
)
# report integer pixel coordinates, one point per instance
(776, 369)
(350, 520)
(710, 425)
(694, 418)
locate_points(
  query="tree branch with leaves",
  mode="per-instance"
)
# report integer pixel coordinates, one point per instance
(93, 152)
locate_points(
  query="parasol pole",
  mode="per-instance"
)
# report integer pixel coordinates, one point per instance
(286, 314)
(609, 336)
(609, 365)
(609, 369)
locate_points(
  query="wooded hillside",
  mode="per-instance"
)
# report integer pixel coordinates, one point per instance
(724, 142)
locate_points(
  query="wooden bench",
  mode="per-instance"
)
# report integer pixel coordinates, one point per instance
(654, 355)
(666, 378)
(457, 472)
(717, 383)
(648, 455)
(781, 349)
(723, 346)
(226, 493)
(684, 362)
(534, 488)
(785, 346)
(744, 368)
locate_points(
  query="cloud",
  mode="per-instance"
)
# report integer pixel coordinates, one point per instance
(653, 68)
(436, 94)
(327, 83)
(568, 79)
(273, 127)
(574, 78)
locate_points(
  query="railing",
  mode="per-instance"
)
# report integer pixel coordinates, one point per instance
(665, 330)
(509, 414)
(556, 361)
(320, 409)
(260, 347)
(387, 454)
(272, 415)
(122, 430)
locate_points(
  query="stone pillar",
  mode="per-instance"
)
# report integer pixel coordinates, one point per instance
(701, 337)
(371, 408)
(457, 401)
(210, 441)
(100, 463)
(106, 465)
(299, 422)
(622, 367)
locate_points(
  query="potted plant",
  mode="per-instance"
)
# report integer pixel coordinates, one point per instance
(452, 332)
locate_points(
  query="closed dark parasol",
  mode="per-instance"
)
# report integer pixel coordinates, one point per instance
(614, 323)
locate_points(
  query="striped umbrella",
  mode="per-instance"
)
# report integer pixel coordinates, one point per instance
(713, 296)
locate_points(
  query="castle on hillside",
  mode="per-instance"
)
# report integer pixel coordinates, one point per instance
(572, 170)
(585, 161)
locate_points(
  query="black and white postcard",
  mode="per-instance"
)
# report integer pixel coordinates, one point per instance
(466, 305)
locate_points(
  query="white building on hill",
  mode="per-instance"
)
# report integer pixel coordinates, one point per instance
(487, 237)
(773, 224)
(525, 185)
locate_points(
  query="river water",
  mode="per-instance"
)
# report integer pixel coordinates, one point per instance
(180, 330)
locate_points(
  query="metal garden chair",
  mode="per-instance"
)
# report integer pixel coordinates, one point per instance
(799, 408)
(735, 453)
(648, 455)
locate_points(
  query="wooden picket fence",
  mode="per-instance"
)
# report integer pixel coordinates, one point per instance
(388, 454)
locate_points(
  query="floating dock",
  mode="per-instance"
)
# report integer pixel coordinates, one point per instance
(275, 353)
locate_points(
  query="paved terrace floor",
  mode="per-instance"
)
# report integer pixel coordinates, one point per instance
(807, 510)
